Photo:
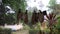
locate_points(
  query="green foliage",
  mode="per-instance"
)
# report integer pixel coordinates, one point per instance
(58, 24)
(56, 28)
(34, 31)
(54, 6)
(56, 9)
(5, 31)
(37, 26)
(26, 27)
(9, 19)
(52, 2)
(15, 4)
(47, 30)
(2, 14)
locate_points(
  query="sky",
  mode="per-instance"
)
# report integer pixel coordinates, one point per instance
(40, 4)
(58, 1)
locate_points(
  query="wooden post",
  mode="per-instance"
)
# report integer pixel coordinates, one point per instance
(26, 17)
(34, 17)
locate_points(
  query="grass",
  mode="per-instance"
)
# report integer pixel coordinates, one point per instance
(21, 32)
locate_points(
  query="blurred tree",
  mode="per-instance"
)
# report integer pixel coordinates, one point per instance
(54, 6)
(2, 14)
(16, 5)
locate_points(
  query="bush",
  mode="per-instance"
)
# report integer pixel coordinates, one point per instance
(26, 27)
(5, 31)
(57, 28)
(34, 31)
